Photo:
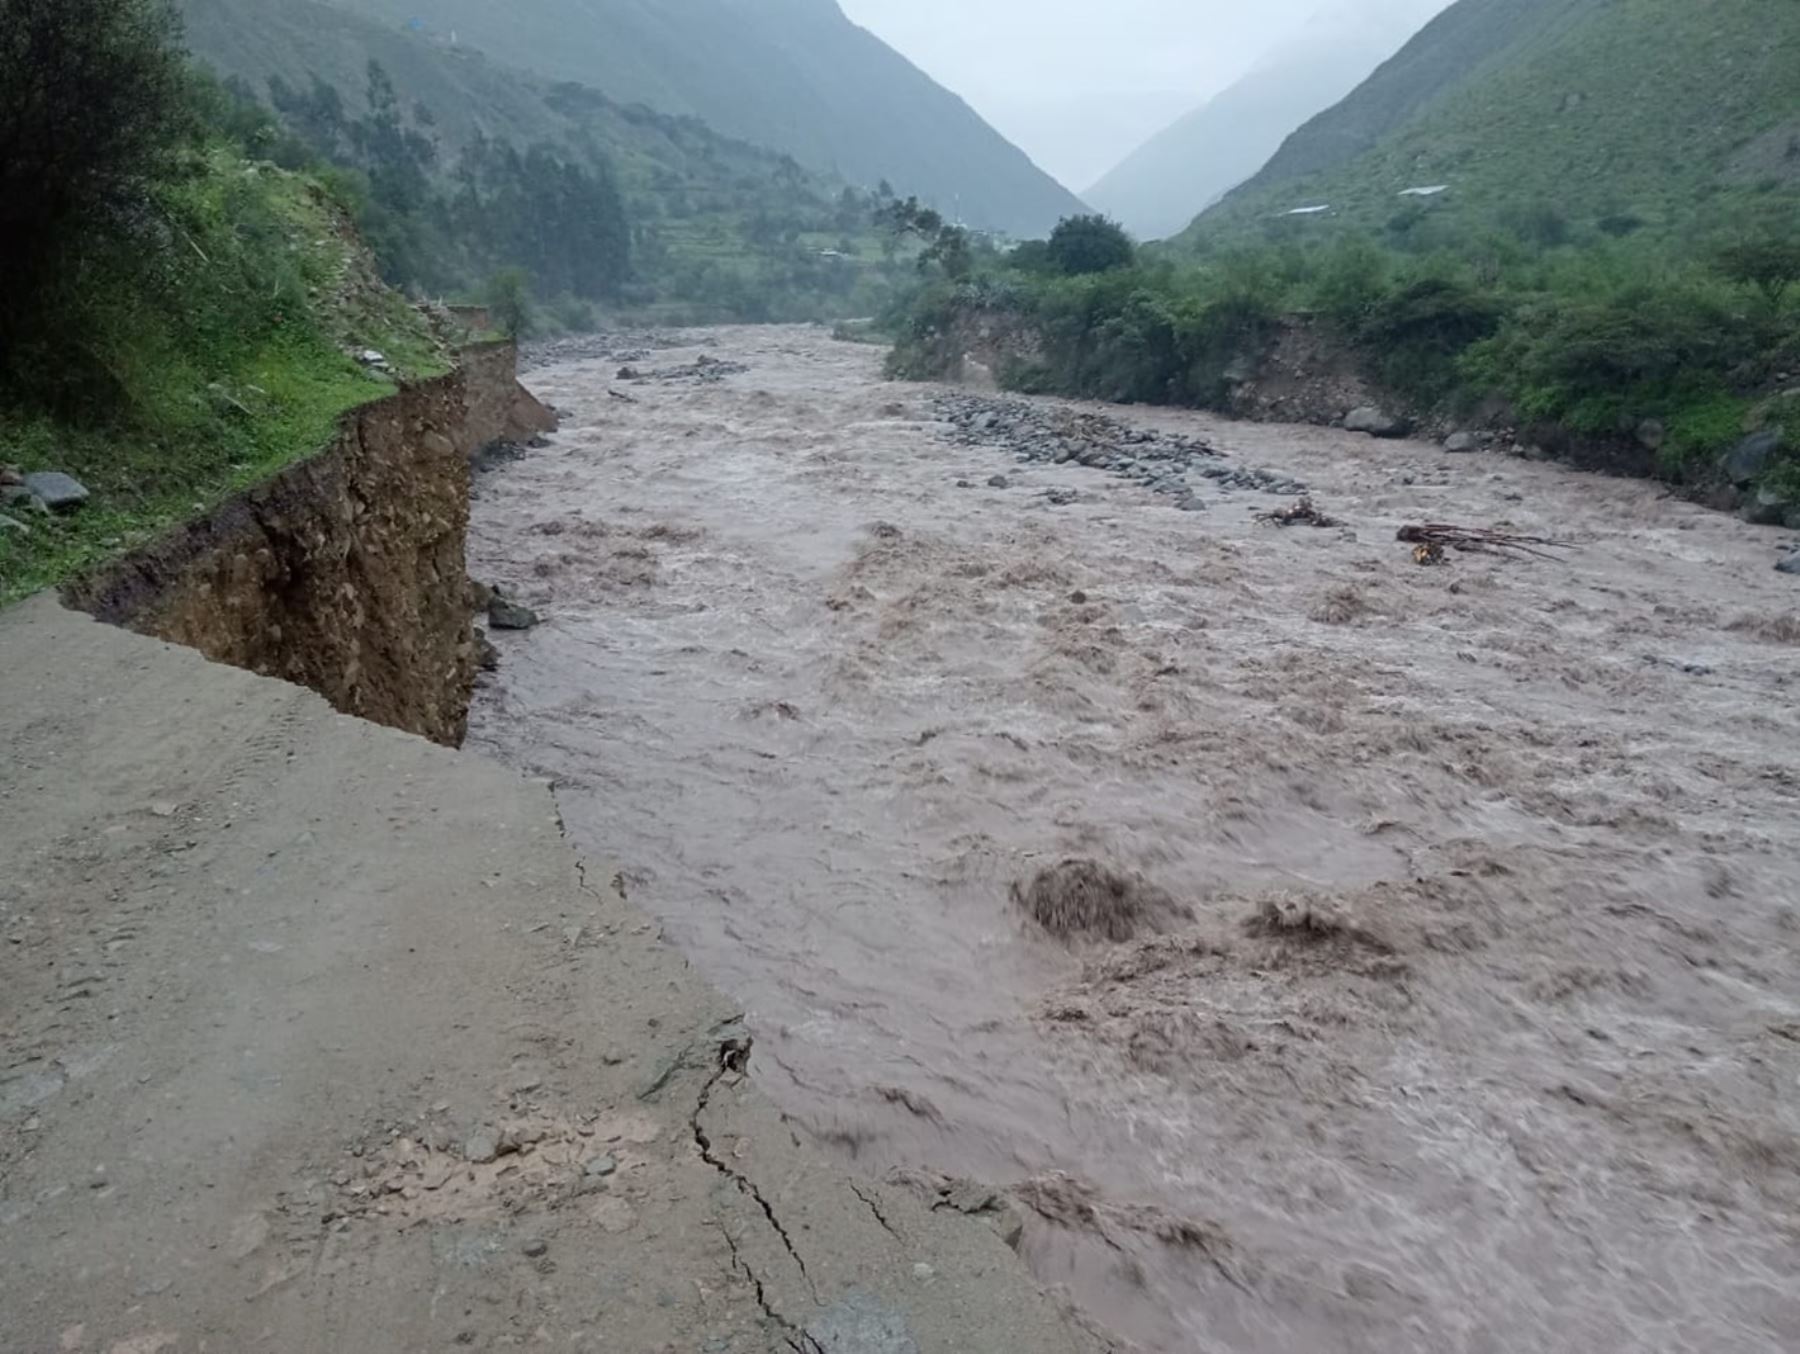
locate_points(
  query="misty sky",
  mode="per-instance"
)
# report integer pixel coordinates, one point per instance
(1080, 83)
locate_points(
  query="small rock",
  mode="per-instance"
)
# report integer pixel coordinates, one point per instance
(535, 1247)
(370, 357)
(1789, 564)
(11, 474)
(999, 482)
(598, 1168)
(1458, 443)
(965, 484)
(482, 1149)
(1061, 498)
(57, 491)
(487, 657)
(506, 615)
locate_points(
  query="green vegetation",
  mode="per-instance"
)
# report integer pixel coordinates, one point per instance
(1083, 245)
(458, 166)
(792, 75)
(1591, 342)
(1556, 120)
(189, 341)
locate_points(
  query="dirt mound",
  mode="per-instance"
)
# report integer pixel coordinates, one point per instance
(1085, 898)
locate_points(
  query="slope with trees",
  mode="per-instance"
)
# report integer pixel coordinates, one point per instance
(177, 319)
(499, 168)
(793, 75)
(1601, 114)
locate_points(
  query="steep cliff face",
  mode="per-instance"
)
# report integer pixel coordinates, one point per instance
(345, 572)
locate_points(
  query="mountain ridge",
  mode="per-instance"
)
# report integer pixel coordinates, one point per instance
(1589, 111)
(796, 76)
(1158, 189)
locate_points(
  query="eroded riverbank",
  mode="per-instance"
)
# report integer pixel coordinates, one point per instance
(1527, 1081)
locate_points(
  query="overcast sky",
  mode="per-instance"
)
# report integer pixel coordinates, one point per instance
(1080, 83)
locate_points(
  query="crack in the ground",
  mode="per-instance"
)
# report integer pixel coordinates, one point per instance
(795, 1339)
(562, 830)
(734, 1056)
(875, 1208)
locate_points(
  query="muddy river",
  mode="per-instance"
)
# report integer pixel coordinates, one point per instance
(1482, 1028)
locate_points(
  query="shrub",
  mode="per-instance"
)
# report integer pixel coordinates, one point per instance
(1770, 264)
(1420, 331)
(509, 302)
(1082, 245)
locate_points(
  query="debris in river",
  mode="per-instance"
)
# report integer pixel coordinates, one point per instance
(1083, 897)
(1433, 537)
(1302, 512)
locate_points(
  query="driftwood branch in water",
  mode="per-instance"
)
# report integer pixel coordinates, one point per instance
(1432, 538)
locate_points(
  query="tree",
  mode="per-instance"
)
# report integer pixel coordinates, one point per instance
(509, 302)
(92, 103)
(1089, 244)
(946, 246)
(1769, 263)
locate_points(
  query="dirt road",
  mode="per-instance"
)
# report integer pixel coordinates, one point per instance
(1483, 1034)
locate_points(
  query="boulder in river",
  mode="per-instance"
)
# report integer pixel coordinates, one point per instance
(1767, 508)
(1462, 442)
(504, 614)
(1375, 422)
(1750, 457)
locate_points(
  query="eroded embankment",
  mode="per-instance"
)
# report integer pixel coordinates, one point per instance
(345, 572)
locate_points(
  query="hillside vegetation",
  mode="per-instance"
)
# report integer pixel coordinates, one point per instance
(793, 75)
(192, 331)
(1614, 115)
(480, 167)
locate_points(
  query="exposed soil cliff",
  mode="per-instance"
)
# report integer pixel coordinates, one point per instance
(343, 573)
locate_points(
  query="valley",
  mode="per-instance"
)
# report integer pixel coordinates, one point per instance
(656, 698)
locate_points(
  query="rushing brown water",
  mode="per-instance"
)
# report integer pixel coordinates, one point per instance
(1528, 1078)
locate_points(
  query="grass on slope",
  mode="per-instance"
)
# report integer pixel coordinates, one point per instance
(218, 349)
(1633, 113)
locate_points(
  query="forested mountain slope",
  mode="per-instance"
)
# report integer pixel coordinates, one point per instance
(1635, 113)
(713, 221)
(794, 75)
